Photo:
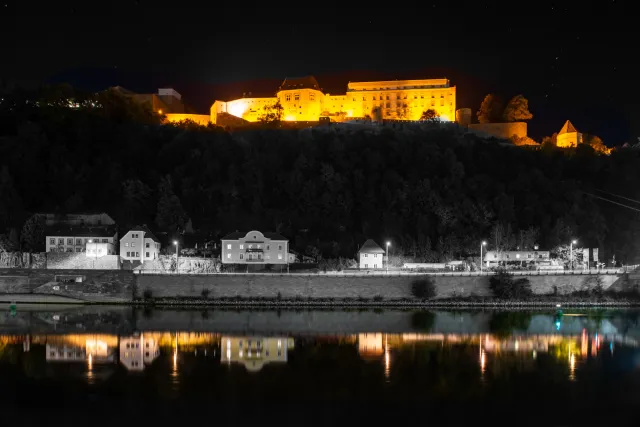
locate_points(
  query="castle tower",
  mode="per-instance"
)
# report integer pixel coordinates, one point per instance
(569, 136)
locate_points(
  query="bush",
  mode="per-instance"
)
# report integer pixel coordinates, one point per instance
(378, 298)
(205, 293)
(598, 287)
(147, 294)
(423, 288)
(504, 286)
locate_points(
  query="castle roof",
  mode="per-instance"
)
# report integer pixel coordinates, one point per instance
(370, 247)
(308, 82)
(568, 128)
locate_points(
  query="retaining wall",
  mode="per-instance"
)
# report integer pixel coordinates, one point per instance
(292, 286)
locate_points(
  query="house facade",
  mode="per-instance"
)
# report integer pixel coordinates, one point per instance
(255, 247)
(495, 258)
(139, 244)
(75, 238)
(370, 255)
(138, 351)
(255, 352)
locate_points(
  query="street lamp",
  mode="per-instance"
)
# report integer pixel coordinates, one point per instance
(175, 242)
(95, 249)
(481, 259)
(388, 244)
(573, 242)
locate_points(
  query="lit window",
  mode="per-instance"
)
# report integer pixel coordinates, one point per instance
(229, 246)
(229, 256)
(126, 245)
(279, 256)
(241, 247)
(296, 97)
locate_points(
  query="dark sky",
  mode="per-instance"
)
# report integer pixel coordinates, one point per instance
(577, 62)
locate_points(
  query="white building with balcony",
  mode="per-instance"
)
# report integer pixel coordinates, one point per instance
(495, 258)
(139, 244)
(255, 247)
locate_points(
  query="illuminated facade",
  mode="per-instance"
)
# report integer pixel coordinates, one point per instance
(255, 352)
(303, 100)
(370, 255)
(138, 351)
(568, 136)
(255, 247)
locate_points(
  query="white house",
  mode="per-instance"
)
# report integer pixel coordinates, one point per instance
(139, 244)
(77, 238)
(137, 351)
(370, 255)
(255, 247)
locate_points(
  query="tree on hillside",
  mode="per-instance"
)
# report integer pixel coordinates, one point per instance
(170, 215)
(491, 109)
(550, 140)
(430, 115)
(517, 110)
(595, 143)
(10, 202)
(32, 235)
(272, 114)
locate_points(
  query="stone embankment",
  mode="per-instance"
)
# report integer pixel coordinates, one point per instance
(121, 286)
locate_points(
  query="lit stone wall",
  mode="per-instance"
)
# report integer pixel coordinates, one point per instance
(80, 260)
(569, 139)
(500, 130)
(201, 119)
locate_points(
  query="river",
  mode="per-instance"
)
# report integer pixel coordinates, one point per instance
(63, 365)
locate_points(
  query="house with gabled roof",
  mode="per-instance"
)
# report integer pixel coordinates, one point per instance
(568, 136)
(139, 244)
(255, 247)
(370, 255)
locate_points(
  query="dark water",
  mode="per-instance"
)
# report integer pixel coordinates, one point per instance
(120, 366)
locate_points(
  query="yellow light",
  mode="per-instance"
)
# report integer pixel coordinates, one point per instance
(238, 107)
(444, 118)
(290, 118)
(160, 111)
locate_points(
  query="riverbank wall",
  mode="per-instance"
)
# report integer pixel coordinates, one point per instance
(121, 286)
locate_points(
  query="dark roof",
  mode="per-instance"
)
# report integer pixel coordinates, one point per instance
(240, 234)
(147, 232)
(371, 247)
(308, 82)
(567, 128)
(81, 231)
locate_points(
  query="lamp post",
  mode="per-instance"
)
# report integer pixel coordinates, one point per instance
(573, 242)
(482, 245)
(95, 249)
(388, 244)
(175, 242)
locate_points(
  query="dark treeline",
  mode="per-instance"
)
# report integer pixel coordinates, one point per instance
(435, 192)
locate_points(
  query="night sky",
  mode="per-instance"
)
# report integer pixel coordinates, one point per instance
(572, 62)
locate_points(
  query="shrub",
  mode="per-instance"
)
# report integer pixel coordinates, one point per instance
(423, 288)
(378, 298)
(205, 293)
(504, 286)
(598, 287)
(147, 294)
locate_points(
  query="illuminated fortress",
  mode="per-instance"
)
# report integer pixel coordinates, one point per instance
(303, 100)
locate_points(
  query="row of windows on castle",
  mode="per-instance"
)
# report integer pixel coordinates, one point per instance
(79, 243)
(312, 97)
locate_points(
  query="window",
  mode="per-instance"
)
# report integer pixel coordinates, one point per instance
(296, 97)
(147, 254)
(375, 255)
(312, 96)
(126, 245)
(128, 254)
(133, 245)
(105, 240)
(279, 247)
(366, 266)
(268, 247)
(374, 98)
(229, 256)
(78, 249)
(287, 97)
(241, 247)
(137, 254)
(69, 241)
(279, 256)
(61, 241)
(147, 245)
(78, 241)
(229, 246)
(52, 241)
(69, 250)
(241, 256)
(387, 97)
(365, 255)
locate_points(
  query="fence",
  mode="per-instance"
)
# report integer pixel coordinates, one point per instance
(382, 273)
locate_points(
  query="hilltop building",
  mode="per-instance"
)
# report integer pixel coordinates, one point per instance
(167, 102)
(303, 100)
(569, 136)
